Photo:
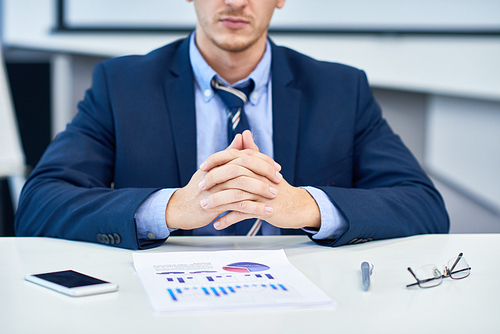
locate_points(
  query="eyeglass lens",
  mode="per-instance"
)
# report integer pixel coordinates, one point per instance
(458, 267)
(428, 276)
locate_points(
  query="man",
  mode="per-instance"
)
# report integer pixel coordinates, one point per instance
(319, 158)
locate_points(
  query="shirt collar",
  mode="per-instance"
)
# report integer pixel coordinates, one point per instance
(203, 73)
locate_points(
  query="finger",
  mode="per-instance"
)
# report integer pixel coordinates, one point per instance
(248, 142)
(237, 143)
(232, 218)
(227, 155)
(231, 196)
(258, 167)
(244, 166)
(254, 185)
(226, 197)
(254, 208)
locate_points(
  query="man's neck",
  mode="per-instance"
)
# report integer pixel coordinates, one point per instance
(233, 66)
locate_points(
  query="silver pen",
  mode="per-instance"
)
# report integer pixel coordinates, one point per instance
(366, 271)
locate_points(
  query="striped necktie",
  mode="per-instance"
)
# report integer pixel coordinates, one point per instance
(234, 99)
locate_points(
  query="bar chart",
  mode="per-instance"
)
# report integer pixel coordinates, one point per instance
(236, 287)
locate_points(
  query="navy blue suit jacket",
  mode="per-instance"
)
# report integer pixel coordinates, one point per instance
(135, 133)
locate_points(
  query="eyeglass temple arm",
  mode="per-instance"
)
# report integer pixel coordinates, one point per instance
(460, 270)
(413, 284)
(413, 274)
(459, 257)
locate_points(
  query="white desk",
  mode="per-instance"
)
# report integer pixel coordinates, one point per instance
(471, 305)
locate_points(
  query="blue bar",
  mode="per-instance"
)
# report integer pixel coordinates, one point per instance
(179, 290)
(231, 289)
(281, 286)
(170, 279)
(269, 276)
(223, 290)
(206, 291)
(215, 292)
(210, 279)
(172, 294)
(273, 286)
(180, 279)
(258, 275)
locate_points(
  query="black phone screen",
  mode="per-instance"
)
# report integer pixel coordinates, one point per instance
(70, 278)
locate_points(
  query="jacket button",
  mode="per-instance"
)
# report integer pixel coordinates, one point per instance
(104, 239)
(117, 238)
(111, 239)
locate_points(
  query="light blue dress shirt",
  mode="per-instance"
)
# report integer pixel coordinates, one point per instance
(211, 122)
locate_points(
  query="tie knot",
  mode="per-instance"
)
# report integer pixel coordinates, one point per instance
(232, 97)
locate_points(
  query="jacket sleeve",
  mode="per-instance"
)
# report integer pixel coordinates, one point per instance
(391, 196)
(70, 192)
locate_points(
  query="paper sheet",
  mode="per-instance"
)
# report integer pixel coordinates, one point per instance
(188, 281)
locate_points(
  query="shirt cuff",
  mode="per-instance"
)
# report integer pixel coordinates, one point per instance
(333, 224)
(150, 216)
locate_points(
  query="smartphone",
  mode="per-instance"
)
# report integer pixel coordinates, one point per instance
(71, 283)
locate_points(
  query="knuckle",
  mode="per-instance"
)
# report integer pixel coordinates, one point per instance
(234, 170)
(209, 178)
(248, 151)
(271, 170)
(234, 153)
(238, 216)
(213, 200)
(239, 194)
(246, 160)
(265, 188)
(242, 206)
(242, 182)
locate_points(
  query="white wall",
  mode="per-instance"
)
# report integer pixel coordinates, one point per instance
(319, 14)
(463, 145)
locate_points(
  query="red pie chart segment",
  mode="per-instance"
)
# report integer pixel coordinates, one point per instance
(245, 267)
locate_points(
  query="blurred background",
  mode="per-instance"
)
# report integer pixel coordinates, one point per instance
(434, 67)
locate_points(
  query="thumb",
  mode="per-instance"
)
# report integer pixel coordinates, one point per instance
(248, 142)
(237, 143)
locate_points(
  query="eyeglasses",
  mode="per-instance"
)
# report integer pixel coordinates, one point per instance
(429, 276)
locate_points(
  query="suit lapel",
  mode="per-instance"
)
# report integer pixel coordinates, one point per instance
(286, 112)
(179, 94)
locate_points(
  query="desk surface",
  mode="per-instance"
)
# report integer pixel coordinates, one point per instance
(471, 305)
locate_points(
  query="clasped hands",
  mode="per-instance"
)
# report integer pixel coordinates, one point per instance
(248, 184)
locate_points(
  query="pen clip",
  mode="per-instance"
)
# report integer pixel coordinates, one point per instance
(369, 265)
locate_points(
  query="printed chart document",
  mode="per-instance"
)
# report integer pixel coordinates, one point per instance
(187, 281)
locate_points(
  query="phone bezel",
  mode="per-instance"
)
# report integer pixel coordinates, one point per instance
(75, 291)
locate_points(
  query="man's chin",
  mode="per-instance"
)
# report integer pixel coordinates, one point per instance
(235, 45)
